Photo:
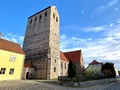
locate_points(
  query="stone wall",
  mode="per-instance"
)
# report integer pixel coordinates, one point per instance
(28, 69)
(64, 68)
(41, 43)
(54, 43)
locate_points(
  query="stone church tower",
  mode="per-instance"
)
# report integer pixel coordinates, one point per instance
(42, 44)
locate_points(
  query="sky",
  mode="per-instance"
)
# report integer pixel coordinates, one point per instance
(90, 25)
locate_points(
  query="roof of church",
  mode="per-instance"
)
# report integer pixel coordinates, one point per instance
(29, 65)
(95, 62)
(63, 57)
(72, 55)
(10, 46)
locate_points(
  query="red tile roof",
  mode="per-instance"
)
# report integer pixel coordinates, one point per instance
(10, 46)
(95, 62)
(63, 57)
(29, 65)
(72, 55)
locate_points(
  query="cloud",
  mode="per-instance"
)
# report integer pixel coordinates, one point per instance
(82, 11)
(113, 2)
(95, 29)
(103, 49)
(14, 38)
(116, 9)
(102, 8)
(86, 29)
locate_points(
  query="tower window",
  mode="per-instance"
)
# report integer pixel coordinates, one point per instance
(54, 69)
(45, 13)
(55, 60)
(30, 21)
(53, 15)
(40, 17)
(35, 18)
(56, 19)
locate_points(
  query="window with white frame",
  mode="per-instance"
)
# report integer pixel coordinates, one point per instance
(2, 71)
(12, 58)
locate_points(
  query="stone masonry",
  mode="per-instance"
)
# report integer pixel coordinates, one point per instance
(41, 43)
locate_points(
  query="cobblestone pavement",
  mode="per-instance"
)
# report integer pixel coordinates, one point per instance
(33, 85)
(114, 86)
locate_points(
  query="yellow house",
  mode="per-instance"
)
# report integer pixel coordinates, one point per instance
(94, 67)
(11, 60)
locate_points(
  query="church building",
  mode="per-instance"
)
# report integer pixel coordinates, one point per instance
(44, 60)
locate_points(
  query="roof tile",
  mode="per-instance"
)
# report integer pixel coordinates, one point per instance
(95, 62)
(72, 55)
(10, 46)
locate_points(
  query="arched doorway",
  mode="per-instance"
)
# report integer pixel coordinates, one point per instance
(27, 75)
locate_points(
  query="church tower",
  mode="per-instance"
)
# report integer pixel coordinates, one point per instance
(42, 43)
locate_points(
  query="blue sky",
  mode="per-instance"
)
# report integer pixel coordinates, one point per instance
(90, 25)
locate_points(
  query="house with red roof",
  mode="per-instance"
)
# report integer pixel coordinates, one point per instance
(94, 67)
(11, 60)
(76, 57)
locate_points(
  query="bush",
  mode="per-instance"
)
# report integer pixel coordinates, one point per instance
(71, 70)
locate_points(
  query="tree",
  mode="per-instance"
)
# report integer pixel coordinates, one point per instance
(71, 70)
(108, 70)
